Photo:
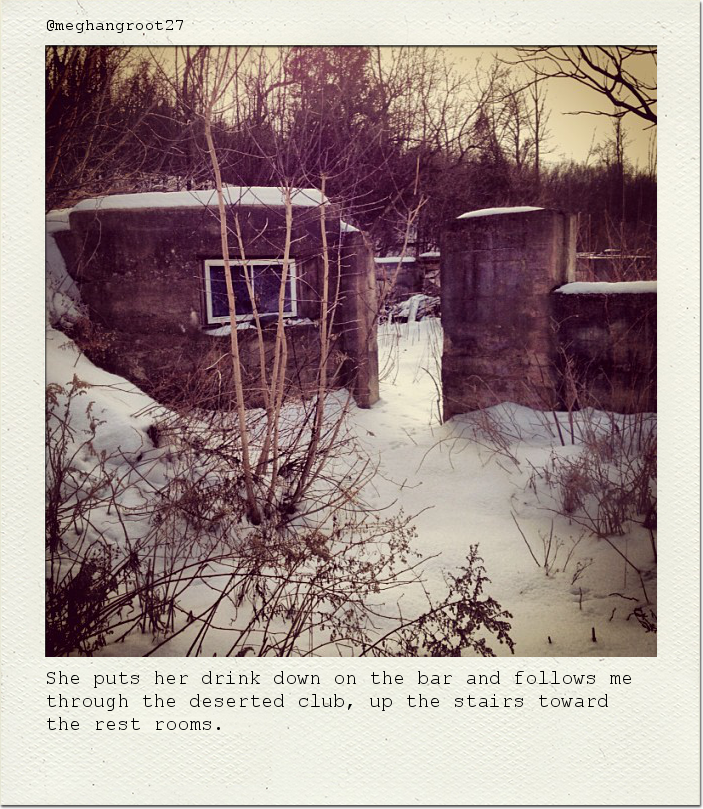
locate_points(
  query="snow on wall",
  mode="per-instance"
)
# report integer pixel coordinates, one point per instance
(63, 300)
(234, 195)
(395, 260)
(57, 220)
(495, 211)
(115, 401)
(224, 331)
(607, 287)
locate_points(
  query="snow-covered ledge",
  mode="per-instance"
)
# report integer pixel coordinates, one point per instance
(607, 287)
(234, 195)
(496, 211)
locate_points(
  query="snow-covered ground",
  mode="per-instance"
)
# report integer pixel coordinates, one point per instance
(489, 478)
(466, 493)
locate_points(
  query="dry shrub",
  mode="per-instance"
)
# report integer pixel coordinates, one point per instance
(320, 574)
(93, 339)
(612, 481)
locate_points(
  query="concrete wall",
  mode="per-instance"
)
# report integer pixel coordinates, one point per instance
(513, 332)
(141, 274)
(609, 343)
(416, 275)
(497, 273)
(614, 266)
(398, 279)
(430, 272)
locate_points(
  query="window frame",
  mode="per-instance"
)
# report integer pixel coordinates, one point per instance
(213, 320)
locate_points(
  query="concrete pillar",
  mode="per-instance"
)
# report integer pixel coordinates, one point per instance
(497, 270)
(357, 317)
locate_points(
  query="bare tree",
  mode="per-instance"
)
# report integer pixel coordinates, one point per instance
(524, 113)
(538, 120)
(104, 121)
(623, 74)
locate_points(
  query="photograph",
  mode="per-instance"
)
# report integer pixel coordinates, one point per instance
(351, 351)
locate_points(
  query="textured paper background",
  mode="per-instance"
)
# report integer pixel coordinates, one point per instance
(644, 749)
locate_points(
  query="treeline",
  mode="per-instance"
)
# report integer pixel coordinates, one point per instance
(404, 140)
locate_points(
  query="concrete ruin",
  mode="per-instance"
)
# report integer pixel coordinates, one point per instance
(510, 335)
(150, 270)
(613, 265)
(516, 327)
(497, 272)
(607, 341)
(399, 277)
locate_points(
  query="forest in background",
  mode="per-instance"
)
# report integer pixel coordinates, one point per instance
(399, 135)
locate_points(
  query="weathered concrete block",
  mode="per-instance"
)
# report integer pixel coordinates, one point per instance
(496, 275)
(608, 347)
(142, 273)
